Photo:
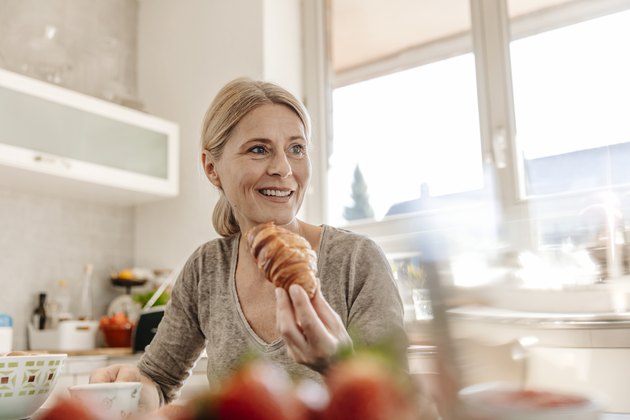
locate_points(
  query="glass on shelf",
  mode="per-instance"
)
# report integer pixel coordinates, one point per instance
(45, 57)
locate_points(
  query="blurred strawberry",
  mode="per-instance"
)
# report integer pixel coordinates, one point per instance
(69, 409)
(366, 387)
(257, 391)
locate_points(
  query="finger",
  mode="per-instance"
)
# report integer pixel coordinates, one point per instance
(305, 315)
(114, 373)
(104, 375)
(296, 354)
(286, 322)
(128, 374)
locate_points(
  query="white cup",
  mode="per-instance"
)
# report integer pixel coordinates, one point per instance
(114, 400)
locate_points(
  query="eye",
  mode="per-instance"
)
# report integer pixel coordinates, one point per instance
(258, 150)
(298, 150)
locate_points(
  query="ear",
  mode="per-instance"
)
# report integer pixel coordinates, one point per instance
(210, 169)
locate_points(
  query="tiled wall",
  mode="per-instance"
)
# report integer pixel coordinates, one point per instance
(44, 239)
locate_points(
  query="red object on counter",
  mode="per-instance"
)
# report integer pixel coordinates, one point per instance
(118, 335)
(117, 330)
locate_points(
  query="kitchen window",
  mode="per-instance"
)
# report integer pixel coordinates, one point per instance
(482, 126)
(396, 135)
(395, 146)
(572, 100)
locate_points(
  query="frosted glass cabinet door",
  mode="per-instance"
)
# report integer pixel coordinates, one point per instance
(48, 129)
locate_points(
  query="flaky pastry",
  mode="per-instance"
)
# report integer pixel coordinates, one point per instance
(283, 257)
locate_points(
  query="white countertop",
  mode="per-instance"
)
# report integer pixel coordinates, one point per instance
(576, 330)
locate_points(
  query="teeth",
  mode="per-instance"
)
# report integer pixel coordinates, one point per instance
(276, 193)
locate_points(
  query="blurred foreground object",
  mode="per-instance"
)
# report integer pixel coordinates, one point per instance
(258, 391)
(363, 385)
(492, 401)
(367, 388)
(67, 409)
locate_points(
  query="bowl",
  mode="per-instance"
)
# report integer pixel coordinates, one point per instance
(496, 401)
(118, 335)
(26, 381)
(112, 400)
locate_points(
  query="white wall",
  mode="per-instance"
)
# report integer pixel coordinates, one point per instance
(282, 55)
(186, 52)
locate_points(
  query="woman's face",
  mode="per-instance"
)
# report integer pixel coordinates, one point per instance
(265, 168)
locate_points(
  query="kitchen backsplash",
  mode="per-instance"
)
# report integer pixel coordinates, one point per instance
(45, 239)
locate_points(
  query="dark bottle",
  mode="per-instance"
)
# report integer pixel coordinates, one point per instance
(39, 315)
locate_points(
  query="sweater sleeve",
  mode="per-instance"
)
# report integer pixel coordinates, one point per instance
(179, 340)
(375, 306)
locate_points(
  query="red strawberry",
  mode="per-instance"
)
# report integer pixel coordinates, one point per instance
(363, 387)
(259, 391)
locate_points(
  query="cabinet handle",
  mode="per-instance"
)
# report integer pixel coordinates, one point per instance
(52, 161)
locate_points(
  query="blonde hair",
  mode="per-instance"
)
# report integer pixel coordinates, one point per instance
(232, 103)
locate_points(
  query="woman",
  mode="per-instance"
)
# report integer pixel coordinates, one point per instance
(255, 150)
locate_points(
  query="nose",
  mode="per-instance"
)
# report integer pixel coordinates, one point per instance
(280, 165)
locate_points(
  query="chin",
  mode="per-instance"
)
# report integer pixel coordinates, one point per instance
(281, 220)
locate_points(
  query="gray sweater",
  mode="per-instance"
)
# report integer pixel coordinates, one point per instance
(204, 310)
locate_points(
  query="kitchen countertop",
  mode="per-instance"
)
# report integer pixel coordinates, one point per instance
(545, 319)
(102, 351)
(604, 330)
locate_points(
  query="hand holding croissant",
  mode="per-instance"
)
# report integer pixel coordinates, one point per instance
(310, 327)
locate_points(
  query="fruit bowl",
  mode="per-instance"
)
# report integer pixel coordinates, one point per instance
(26, 381)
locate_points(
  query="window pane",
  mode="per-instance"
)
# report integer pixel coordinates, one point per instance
(412, 134)
(572, 101)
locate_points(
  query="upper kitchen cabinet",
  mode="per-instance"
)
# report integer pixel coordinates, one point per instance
(61, 142)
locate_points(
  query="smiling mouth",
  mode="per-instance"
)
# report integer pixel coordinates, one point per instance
(276, 193)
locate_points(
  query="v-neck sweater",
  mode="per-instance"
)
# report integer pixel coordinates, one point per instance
(204, 310)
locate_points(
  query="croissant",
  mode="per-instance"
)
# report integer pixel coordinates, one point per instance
(283, 257)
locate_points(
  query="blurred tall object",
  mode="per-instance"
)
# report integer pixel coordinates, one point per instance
(86, 311)
(6, 333)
